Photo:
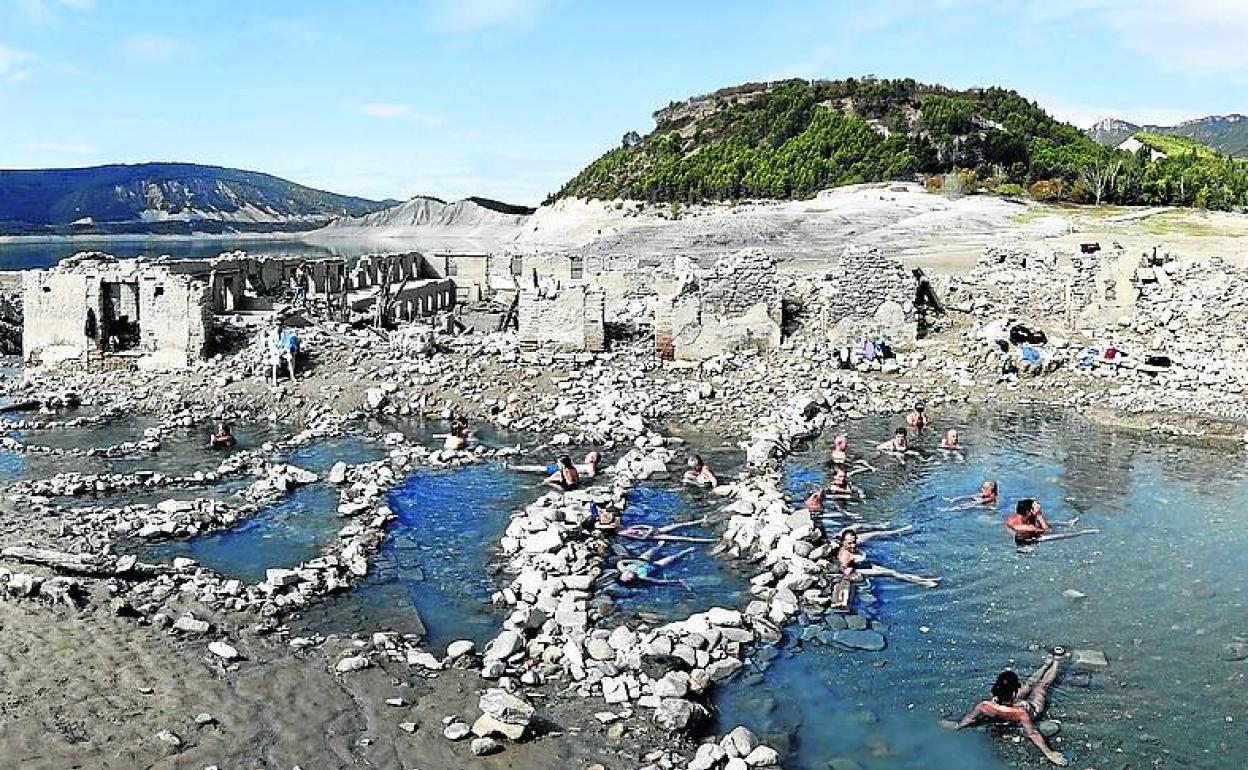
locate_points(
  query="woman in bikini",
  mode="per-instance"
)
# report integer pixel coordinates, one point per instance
(566, 477)
(663, 533)
(1006, 706)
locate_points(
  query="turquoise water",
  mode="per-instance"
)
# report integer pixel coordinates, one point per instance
(284, 534)
(433, 571)
(708, 581)
(1165, 586)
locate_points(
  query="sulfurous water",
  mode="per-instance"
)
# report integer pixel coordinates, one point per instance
(284, 534)
(1161, 589)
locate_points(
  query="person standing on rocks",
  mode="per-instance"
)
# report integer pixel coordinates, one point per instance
(1005, 705)
(1027, 522)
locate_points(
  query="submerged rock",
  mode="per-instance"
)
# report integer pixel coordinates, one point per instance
(860, 639)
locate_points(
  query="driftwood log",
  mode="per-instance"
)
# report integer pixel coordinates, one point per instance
(91, 564)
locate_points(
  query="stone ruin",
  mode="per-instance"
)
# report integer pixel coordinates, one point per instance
(160, 314)
(867, 294)
(734, 305)
(563, 318)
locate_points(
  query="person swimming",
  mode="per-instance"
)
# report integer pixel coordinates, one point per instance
(222, 438)
(987, 496)
(664, 533)
(841, 487)
(1027, 522)
(699, 473)
(644, 568)
(898, 444)
(840, 449)
(588, 468)
(950, 441)
(1005, 705)
(566, 476)
(855, 565)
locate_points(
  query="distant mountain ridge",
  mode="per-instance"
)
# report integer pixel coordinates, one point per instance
(165, 198)
(1228, 134)
(428, 213)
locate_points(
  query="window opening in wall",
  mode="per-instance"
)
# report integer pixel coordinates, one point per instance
(578, 268)
(159, 291)
(47, 289)
(452, 268)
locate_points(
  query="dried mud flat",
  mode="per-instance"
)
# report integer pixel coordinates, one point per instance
(94, 691)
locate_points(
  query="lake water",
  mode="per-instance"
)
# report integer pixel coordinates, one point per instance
(1164, 582)
(25, 253)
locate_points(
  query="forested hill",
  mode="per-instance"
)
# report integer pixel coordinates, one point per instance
(792, 138)
(164, 198)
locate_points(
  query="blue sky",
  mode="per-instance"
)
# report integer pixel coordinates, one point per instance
(508, 98)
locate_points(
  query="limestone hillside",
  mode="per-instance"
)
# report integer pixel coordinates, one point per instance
(1228, 134)
(164, 198)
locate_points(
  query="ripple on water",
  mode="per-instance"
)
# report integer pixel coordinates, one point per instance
(1164, 585)
(432, 570)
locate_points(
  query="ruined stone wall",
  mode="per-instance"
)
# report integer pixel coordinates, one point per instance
(55, 311)
(628, 282)
(868, 294)
(175, 316)
(11, 313)
(174, 313)
(735, 304)
(565, 318)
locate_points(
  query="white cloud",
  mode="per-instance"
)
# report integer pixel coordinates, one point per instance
(472, 15)
(58, 148)
(44, 11)
(1192, 37)
(13, 63)
(149, 48)
(1196, 37)
(385, 110)
(397, 111)
(1084, 115)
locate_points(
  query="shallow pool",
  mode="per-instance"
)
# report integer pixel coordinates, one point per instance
(1164, 588)
(705, 580)
(433, 573)
(297, 528)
